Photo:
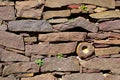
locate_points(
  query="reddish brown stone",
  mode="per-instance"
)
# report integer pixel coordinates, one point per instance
(63, 36)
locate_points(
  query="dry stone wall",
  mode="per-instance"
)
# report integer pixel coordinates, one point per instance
(59, 39)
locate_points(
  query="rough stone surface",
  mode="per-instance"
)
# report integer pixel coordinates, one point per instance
(7, 13)
(30, 26)
(77, 22)
(63, 64)
(20, 67)
(115, 42)
(99, 9)
(59, 20)
(56, 3)
(12, 56)
(30, 40)
(3, 27)
(51, 49)
(1, 69)
(10, 77)
(51, 14)
(116, 71)
(84, 76)
(112, 77)
(6, 3)
(106, 14)
(102, 63)
(109, 25)
(29, 9)
(63, 36)
(107, 51)
(11, 40)
(47, 76)
(117, 3)
(98, 35)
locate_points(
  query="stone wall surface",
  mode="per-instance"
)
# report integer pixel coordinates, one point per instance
(59, 39)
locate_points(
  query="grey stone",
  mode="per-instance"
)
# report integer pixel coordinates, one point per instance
(7, 13)
(63, 36)
(63, 64)
(109, 25)
(106, 14)
(47, 76)
(112, 77)
(51, 49)
(60, 3)
(60, 13)
(83, 76)
(3, 27)
(10, 77)
(20, 67)
(102, 63)
(107, 51)
(12, 56)
(77, 22)
(11, 40)
(29, 9)
(30, 26)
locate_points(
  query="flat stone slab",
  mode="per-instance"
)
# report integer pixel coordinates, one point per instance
(60, 13)
(60, 3)
(11, 40)
(84, 76)
(21, 67)
(110, 25)
(77, 22)
(106, 14)
(51, 49)
(112, 77)
(7, 13)
(6, 3)
(107, 51)
(63, 64)
(30, 26)
(12, 56)
(47, 76)
(63, 36)
(102, 63)
(59, 20)
(29, 9)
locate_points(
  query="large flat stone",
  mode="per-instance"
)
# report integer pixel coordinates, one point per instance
(29, 9)
(7, 13)
(83, 76)
(20, 67)
(60, 3)
(63, 64)
(51, 49)
(10, 77)
(47, 76)
(12, 56)
(60, 13)
(102, 63)
(77, 22)
(112, 77)
(106, 14)
(11, 40)
(63, 36)
(30, 26)
(107, 51)
(110, 25)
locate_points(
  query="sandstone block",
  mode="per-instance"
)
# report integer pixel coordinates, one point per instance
(77, 22)
(107, 51)
(11, 40)
(63, 36)
(12, 56)
(56, 3)
(7, 13)
(47, 76)
(30, 26)
(50, 49)
(20, 67)
(63, 64)
(106, 14)
(51, 14)
(84, 76)
(30, 40)
(29, 9)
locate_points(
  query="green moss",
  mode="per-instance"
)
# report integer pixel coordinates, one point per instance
(40, 62)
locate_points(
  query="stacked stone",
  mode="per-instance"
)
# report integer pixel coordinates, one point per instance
(72, 40)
